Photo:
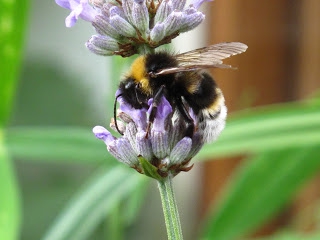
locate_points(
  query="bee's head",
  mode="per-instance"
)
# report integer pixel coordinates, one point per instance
(144, 68)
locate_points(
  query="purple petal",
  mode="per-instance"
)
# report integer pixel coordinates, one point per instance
(64, 3)
(97, 50)
(163, 110)
(173, 22)
(140, 16)
(125, 152)
(158, 32)
(191, 19)
(197, 3)
(193, 115)
(159, 143)
(165, 8)
(143, 145)
(103, 27)
(103, 134)
(104, 42)
(121, 24)
(179, 5)
(127, 8)
(180, 151)
(130, 133)
(79, 8)
(139, 116)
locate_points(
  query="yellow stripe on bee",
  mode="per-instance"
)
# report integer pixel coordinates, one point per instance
(138, 70)
(217, 103)
(139, 74)
(145, 86)
(193, 87)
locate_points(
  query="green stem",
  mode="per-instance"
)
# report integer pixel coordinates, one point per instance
(170, 209)
(145, 49)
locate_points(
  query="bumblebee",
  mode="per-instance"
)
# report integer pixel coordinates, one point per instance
(183, 82)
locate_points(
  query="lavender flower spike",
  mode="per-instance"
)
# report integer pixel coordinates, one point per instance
(135, 26)
(155, 151)
(79, 8)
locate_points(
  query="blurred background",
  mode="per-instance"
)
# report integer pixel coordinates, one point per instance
(280, 65)
(63, 84)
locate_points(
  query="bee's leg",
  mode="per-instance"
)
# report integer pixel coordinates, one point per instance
(115, 114)
(155, 103)
(185, 114)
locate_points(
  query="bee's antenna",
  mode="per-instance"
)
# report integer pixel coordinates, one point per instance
(115, 113)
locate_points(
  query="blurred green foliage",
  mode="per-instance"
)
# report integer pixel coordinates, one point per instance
(12, 25)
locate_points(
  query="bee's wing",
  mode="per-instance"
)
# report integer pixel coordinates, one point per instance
(211, 56)
(207, 57)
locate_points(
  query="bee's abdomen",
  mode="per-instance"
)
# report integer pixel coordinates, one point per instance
(200, 91)
(207, 102)
(211, 127)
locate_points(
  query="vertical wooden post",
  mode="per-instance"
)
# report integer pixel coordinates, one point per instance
(308, 52)
(263, 75)
(307, 84)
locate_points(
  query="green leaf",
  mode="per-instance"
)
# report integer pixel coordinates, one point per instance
(149, 170)
(125, 214)
(53, 143)
(292, 236)
(12, 27)
(93, 203)
(134, 204)
(260, 188)
(9, 198)
(268, 128)
(12, 24)
(115, 227)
